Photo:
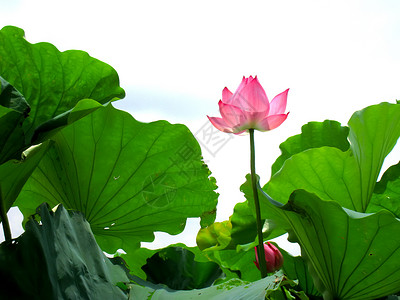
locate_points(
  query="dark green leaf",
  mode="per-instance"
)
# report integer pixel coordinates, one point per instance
(58, 259)
(176, 268)
(14, 173)
(11, 98)
(296, 268)
(137, 258)
(13, 111)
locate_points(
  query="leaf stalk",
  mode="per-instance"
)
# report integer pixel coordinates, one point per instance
(4, 220)
(260, 246)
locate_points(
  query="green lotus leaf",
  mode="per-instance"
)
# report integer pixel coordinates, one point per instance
(234, 289)
(387, 192)
(129, 178)
(243, 224)
(350, 255)
(374, 132)
(11, 98)
(137, 258)
(51, 81)
(15, 173)
(347, 177)
(58, 259)
(296, 268)
(237, 262)
(13, 111)
(49, 128)
(327, 172)
(177, 268)
(313, 135)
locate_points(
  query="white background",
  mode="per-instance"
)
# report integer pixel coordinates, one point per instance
(175, 57)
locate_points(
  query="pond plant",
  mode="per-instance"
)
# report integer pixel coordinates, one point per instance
(90, 179)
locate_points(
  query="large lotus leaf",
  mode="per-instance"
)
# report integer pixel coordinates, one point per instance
(234, 289)
(346, 177)
(128, 178)
(13, 111)
(387, 192)
(52, 81)
(14, 174)
(313, 135)
(58, 259)
(374, 132)
(350, 255)
(327, 172)
(177, 268)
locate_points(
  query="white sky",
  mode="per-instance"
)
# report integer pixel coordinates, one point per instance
(175, 57)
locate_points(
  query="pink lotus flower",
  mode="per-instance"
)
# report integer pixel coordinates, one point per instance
(273, 257)
(249, 108)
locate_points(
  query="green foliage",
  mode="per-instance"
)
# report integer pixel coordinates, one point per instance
(237, 263)
(14, 174)
(176, 268)
(128, 178)
(347, 177)
(233, 289)
(243, 224)
(51, 81)
(351, 255)
(137, 258)
(214, 237)
(13, 111)
(374, 132)
(322, 190)
(39, 86)
(387, 192)
(313, 135)
(296, 268)
(327, 172)
(58, 259)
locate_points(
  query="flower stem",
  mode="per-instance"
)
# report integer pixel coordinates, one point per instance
(4, 221)
(260, 246)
